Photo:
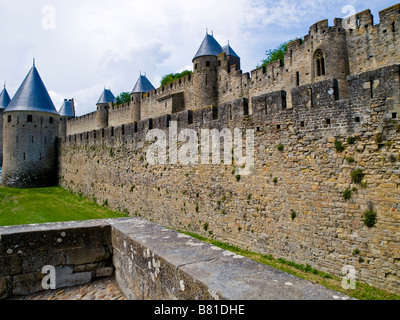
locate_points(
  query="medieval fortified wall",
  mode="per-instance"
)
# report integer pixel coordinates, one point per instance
(340, 82)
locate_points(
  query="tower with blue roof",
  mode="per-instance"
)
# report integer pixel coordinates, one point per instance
(30, 127)
(142, 86)
(206, 65)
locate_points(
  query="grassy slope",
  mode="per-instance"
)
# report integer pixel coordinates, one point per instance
(31, 206)
(362, 291)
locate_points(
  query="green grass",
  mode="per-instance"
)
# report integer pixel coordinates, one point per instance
(45, 205)
(362, 291)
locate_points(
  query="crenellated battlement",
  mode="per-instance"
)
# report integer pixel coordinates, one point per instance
(350, 47)
(316, 108)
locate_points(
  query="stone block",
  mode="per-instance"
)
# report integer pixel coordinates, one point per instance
(104, 272)
(10, 265)
(65, 277)
(27, 284)
(36, 262)
(86, 255)
(5, 287)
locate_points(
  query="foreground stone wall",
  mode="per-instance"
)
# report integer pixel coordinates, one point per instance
(79, 251)
(151, 263)
(154, 263)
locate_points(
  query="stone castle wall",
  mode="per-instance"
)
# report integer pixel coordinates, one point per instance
(308, 176)
(103, 154)
(348, 49)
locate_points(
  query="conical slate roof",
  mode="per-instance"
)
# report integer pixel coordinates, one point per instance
(67, 109)
(209, 47)
(143, 85)
(229, 51)
(106, 97)
(4, 99)
(32, 95)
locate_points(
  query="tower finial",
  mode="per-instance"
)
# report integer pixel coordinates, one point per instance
(5, 84)
(33, 61)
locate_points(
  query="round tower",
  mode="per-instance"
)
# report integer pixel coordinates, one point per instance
(30, 125)
(105, 99)
(67, 111)
(205, 74)
(143, 85)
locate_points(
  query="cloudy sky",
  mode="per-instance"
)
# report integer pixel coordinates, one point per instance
(82, 46)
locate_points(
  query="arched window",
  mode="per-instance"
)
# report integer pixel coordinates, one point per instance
(319, 63)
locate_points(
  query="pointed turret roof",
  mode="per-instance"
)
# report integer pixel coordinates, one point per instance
(143, 85)
(209, 47)
(67, 109)
(106, 97)
(4, 98)
(32, 95)
(229, 51)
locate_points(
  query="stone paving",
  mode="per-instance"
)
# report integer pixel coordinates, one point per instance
(104, 289)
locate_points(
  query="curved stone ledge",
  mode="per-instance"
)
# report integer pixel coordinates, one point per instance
(150, 263)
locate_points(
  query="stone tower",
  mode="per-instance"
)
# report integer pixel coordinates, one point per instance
(329, 54)
(205, 74)
(67, 111)
(103, 107)
(4, 102)
(143, 85)
(233, 60)
(30, 125)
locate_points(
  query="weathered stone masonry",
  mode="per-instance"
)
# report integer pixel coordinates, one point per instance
(255, 212)
(337, 83)
(150, 262)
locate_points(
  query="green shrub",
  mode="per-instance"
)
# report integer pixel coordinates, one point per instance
(275, 55)
(238, 177)
(205, 226)
(357, 176)
(280, 147)
(350, 160)
(293, 215)
(275, 180)
(378, 138)
(351, 140)
(347, 194)
(124, 97)
(392, 158)
(370, 218)
(169, 78)
(339, 146)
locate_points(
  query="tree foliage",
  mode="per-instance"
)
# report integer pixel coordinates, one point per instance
(276, 54)
(124, 97)
(169, 78)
